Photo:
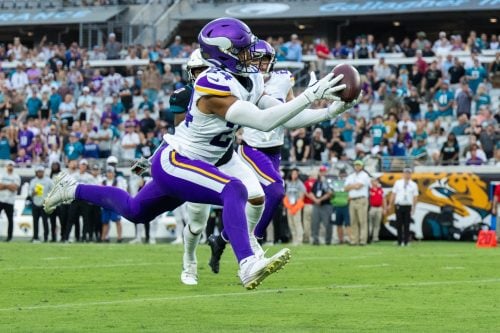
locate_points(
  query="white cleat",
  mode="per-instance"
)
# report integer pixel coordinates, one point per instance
(177, 241)
(189, 274)
(135, 241)
(63, 192)
(253, 270)
(257, 249)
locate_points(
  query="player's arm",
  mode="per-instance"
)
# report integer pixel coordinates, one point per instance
(268, 115)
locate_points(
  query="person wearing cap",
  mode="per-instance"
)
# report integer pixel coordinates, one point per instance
(73, 150)
(9, 184)
(104, 138)
(79, 208)
(377, 210)
(84, 103)
(444, 99)
(357, 184)
(129, 142)
(404, 198)
(322, 209)
(113, 161)
(108, 215)
(176, 47)
(112, 47)
(39, 188)
(294, 202)
(340, 202)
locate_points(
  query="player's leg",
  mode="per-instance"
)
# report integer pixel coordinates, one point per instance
(197, 220)
(253, 210)
(266, 168)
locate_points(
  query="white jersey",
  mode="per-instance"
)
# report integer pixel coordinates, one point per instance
(208, 137)
(278, 86)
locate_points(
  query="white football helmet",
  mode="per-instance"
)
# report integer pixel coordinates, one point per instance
(195, 61)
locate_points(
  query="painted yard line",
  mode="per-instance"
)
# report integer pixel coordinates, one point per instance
(250, 293)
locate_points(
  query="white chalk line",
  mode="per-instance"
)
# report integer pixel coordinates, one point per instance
(250, 293)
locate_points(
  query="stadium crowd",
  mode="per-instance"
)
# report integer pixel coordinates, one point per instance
(68, 114)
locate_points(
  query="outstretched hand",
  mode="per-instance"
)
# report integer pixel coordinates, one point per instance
(338, 107)
(324, 88)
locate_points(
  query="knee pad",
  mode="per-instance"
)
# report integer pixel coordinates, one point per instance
(197, 216)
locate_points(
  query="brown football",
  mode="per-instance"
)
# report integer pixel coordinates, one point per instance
(352, 81)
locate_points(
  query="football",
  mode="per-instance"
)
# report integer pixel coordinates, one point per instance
(351, 80)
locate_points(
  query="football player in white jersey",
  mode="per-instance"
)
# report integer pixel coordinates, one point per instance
(196, 164)
(261, 151)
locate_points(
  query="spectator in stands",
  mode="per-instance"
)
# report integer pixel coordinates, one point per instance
(363, 51)
(382, 72)
(90, 148)
(113, 47)
(392, 99)
(421, 40)
(301, 147)
(456, 73)
(19, 80)
(5, 145)
(412, 104)
(33, 104)
(73, 150)
(67, 110)
(391, 46)
(408, 48)
(482, 97)
(293, 49)
(318, 145)
(442, 46)
(176, 47)
(109, 215)
(168, 79)
(336, 144)
(450, 151)
(151, 82)
(473, 158)
(494, 71)
(461, 127)
(463, 99)
(444, 99)
(323, 53)
(475, 75)
(129, 142)
(431, 81)
(488, 140)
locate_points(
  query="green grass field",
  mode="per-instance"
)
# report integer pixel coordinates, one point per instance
(427, 287)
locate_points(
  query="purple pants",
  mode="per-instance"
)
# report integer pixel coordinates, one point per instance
(267, 168)
(177, 179)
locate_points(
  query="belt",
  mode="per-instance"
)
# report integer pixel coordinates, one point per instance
(357, 198)
(267, 150)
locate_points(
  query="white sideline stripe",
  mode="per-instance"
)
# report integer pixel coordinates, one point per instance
(55, 258)
(87, 266)
(453, 267)
(374, 266)
(251, 293)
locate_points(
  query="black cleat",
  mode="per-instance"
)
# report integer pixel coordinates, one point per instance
(217, 246)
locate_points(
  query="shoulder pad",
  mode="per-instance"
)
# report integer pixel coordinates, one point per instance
(214, 82)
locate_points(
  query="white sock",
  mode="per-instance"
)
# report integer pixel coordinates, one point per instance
(190, 244)
(139, 231)
(253, 213)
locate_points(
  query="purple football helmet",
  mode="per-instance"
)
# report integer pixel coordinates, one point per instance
(264, 51)
(226, 43)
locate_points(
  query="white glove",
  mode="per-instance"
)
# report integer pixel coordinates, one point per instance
(324, 88)
(338, 107)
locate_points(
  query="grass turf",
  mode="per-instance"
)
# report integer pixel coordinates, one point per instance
(427, 287)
